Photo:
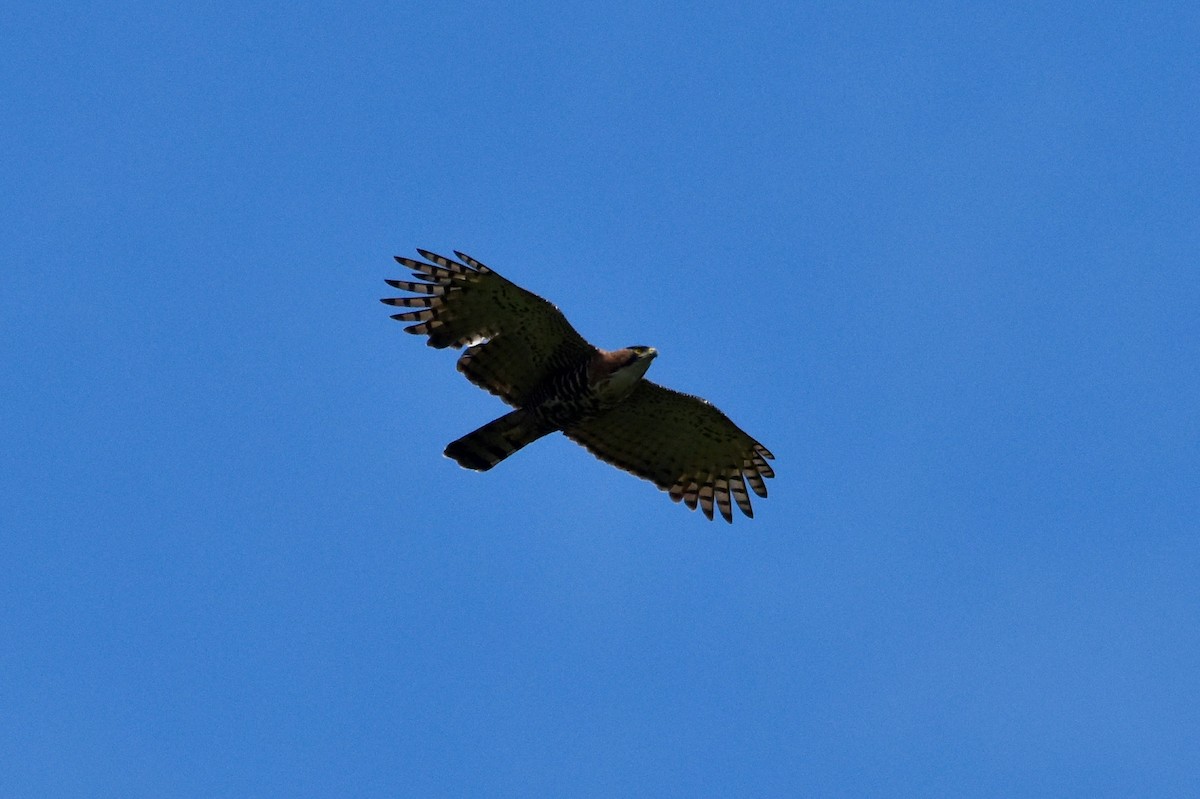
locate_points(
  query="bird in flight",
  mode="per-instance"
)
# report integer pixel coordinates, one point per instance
(522, 349)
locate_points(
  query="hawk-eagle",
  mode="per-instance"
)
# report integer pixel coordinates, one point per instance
(522, 349)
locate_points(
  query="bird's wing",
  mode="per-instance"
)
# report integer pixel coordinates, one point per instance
(683, 445)
(514, 337)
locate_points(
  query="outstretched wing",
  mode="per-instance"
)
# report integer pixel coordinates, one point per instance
(683, 445)
(514, 337)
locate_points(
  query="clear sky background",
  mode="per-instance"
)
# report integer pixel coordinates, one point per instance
(942, 259)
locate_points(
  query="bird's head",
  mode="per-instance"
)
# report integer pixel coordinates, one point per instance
(620, 370)
(638, 354)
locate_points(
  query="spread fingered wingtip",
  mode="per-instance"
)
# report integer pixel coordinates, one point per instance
(471, 262)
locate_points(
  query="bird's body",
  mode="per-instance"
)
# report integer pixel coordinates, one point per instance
(565, 399)
(521, 348)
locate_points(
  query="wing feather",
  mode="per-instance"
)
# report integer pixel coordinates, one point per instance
(516, 339)
(410, 302)
(683, 445)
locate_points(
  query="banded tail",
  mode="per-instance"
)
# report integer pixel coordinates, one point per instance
(496, 440)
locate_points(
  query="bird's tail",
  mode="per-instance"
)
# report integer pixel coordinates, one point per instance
(497, 439)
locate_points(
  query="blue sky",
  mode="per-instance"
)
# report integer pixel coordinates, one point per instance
(940, 258)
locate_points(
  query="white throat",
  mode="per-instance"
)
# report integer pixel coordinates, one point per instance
(618, 385)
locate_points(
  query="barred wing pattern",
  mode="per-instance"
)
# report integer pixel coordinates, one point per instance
(683, 445)
(514, 338)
